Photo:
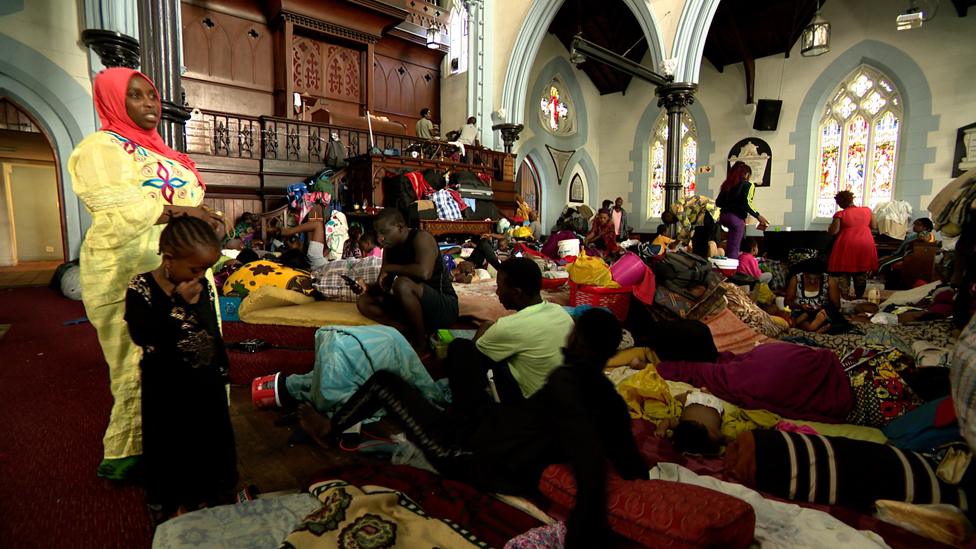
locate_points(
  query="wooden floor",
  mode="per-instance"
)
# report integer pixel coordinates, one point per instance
(28, 273)
(264, 457)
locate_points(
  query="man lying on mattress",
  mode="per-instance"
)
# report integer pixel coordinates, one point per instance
(577, 417)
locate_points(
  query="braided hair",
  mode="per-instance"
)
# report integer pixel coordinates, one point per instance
(184, 234)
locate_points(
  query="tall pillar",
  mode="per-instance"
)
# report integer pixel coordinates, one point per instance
(162, 59)
(112, 33)
(674, 96)
(477, 69)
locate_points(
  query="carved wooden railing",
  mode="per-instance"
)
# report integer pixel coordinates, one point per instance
(236, 136)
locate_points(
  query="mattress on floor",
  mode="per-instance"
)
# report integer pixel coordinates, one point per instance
(279, 307)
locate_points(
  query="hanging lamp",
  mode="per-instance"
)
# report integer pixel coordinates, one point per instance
(815, 39)
(432, 35)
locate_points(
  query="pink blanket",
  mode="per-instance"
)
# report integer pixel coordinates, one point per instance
(791, 380)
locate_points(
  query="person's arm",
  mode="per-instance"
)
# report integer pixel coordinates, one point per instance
(143, 330)
(791, 291)
(833, 292)
(427, 253)
(834, 227)
(748, 194)
(482, 329)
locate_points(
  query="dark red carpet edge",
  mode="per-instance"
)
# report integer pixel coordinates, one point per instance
(54, 406)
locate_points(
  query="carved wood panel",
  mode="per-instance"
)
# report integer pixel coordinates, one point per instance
(326, 70)
(222, 48)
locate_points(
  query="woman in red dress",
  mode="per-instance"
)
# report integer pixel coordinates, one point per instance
(854, 253)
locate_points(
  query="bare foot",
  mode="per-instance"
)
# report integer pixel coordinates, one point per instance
(818, 321)
(315, 424)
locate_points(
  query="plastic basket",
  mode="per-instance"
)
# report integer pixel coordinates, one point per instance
(553, 283)
(615, 299)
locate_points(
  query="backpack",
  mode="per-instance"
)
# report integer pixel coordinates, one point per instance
(684, 273)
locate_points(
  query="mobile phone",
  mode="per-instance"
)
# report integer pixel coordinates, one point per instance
(353, 285)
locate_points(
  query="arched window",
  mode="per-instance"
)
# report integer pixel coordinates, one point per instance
(657, 155)
(527, 183)
(458, 35)
(858, 141)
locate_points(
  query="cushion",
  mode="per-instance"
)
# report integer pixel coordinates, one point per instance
(660, 513)
(276, 306)
(261, 273)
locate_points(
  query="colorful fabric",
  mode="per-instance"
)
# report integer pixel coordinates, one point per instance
(124, 186)
(854, 249)
(550, 536)
(267, 273)
(372, 516)
(421, 189)
(691, 212)
(336, 234)
(447, 207)
(791, 380)
(111, 87)
(748, 312)
(880, 393)
(484, 514)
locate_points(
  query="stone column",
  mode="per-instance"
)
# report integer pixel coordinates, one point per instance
(162, 60)
(674, 96)
(112, 33)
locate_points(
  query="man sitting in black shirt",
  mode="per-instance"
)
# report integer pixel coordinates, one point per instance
(577, 418)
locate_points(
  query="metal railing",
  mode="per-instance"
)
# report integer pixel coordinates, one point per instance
(272, 138)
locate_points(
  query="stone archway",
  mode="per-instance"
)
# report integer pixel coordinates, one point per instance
(529, 39)
(62, 108)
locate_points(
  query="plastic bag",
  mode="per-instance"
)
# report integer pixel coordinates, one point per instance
(939, 522)
(591, 271)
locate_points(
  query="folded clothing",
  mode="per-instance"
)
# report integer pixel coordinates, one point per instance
(834, 470)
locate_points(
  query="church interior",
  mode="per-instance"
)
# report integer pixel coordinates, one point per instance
(391, 273)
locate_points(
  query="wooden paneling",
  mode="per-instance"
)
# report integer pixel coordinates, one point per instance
(402, 88)
(233, 205)
(229, 61)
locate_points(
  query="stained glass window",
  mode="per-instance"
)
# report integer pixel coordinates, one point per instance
(556, 109)
(858, 141)
(688, 148)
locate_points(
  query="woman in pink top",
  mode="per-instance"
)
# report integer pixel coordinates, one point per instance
(854, 252)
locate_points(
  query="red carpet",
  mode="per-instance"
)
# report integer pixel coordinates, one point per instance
(54, 406)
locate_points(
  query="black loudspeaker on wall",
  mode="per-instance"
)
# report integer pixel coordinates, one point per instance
(767, 114)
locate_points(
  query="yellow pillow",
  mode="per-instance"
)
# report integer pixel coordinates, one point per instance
(267, 273)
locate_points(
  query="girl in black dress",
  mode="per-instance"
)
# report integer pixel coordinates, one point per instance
(188, 444)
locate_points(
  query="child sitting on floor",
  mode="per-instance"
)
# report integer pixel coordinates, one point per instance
(813, 297)
(188, 443)
(662, 239)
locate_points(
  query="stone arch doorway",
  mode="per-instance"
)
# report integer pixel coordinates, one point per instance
(32, 230)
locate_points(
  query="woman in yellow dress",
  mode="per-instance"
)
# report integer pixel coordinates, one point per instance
(132, 183)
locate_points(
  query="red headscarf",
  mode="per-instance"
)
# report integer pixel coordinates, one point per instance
(111, 86)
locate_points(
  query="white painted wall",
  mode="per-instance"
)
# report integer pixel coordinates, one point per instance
(589, 102)
(943, 48)
(454, 100)
(52, 27)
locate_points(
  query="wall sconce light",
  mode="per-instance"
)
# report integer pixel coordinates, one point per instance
(815, 39)
(432, 37)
